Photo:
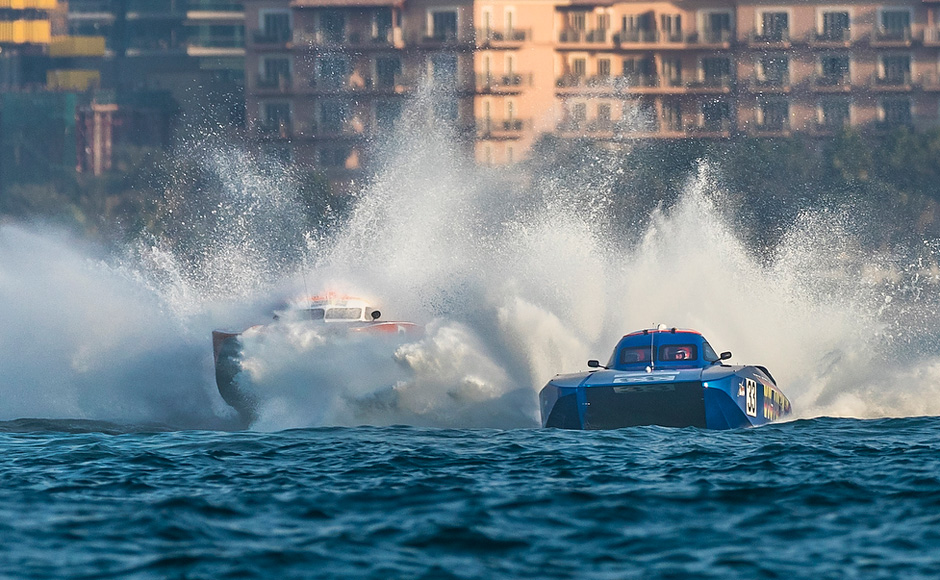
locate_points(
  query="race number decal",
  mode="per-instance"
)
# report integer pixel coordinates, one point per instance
(750, 388)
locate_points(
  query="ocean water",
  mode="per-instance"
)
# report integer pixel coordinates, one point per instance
(817, 498)
(422, 457)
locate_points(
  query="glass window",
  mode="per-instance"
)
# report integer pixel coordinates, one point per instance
(343, 314)
(708, 353)
(677, 352)
(640, 354)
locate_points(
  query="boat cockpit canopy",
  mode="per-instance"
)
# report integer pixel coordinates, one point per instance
(674, 349)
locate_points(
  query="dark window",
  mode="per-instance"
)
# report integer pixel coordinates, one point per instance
(444, 25)
(835, 26)
(708, 353)
(677, 352)
(635, 355)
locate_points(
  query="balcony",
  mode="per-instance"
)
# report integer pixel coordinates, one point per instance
(932, 36)
(275, 84)
(712, 38)
(711, 84)
(275, 130)
(776, 127)
(832, 83)
(586, 37)
(271, 38)
(636, 37)
(339, 129)
(763, 84)
(894, 81)
(503, 129)
(711, 128)
(442, 38)
(507, 83)
(835, 38)
(491, 38)
(770, 38)
(891, 37)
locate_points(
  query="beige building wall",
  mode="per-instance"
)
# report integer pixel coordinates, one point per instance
(605, 70)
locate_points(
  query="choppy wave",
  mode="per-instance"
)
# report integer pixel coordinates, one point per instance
(821, 498)
(513, 285)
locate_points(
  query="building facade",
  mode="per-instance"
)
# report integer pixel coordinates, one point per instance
(324, 76)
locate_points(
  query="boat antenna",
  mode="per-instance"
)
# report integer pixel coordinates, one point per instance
(652, 351)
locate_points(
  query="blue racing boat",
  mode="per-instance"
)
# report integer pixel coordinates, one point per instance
(663, 376)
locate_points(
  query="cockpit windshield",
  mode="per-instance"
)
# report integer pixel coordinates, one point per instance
(344, 314)
(666, 353)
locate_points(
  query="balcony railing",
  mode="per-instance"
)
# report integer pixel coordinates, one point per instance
(722, 126)
(894, 79)
(574, 36)
(891, 35)
(712, 37)
(333, 129)
(505, 81)
(282, 130)
(832, 81)
(636, 36)
(271, 37)
(280, 83)
(834, 36)
(510, 35)
(489, 127)
(712, 82)
(780, 36)
(775, 125)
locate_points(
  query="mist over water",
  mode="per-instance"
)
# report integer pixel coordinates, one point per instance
(512, 282)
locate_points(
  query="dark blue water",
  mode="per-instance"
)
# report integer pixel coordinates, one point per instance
(822, 498)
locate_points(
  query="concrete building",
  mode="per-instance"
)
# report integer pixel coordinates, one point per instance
(323, 75)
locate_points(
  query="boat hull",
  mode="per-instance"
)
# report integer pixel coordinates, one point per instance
(745, 398)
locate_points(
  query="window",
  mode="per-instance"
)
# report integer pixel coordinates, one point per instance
(834, 113)
(382, 25)
(275, 71)
(671, 26)
(896, 111)
(444, 69)
(444, 25)
(579, 67)
(672, 71)
(716, 71)
(895, 69)
(775, 27)
(718, 27)
(835, 27)
(603, 67)
(834, 69)
(333, 26)
(774, 115)
(332, 71)
(715, 115)
(678, 352)
(387, 114)
(276, 118)
(332, 116)
(672, 115)
(334, 156)
(275, 26)
(577, 21)
(638, 28)
(774, 70)
(895, 25)
(387, 69)
(603, 116)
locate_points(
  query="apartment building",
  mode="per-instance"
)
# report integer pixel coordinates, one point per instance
(192, 49)
(325, 76)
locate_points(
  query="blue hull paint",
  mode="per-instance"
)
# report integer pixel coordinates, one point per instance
(694, 391)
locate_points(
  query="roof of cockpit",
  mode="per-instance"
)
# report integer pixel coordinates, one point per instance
(649, 331)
